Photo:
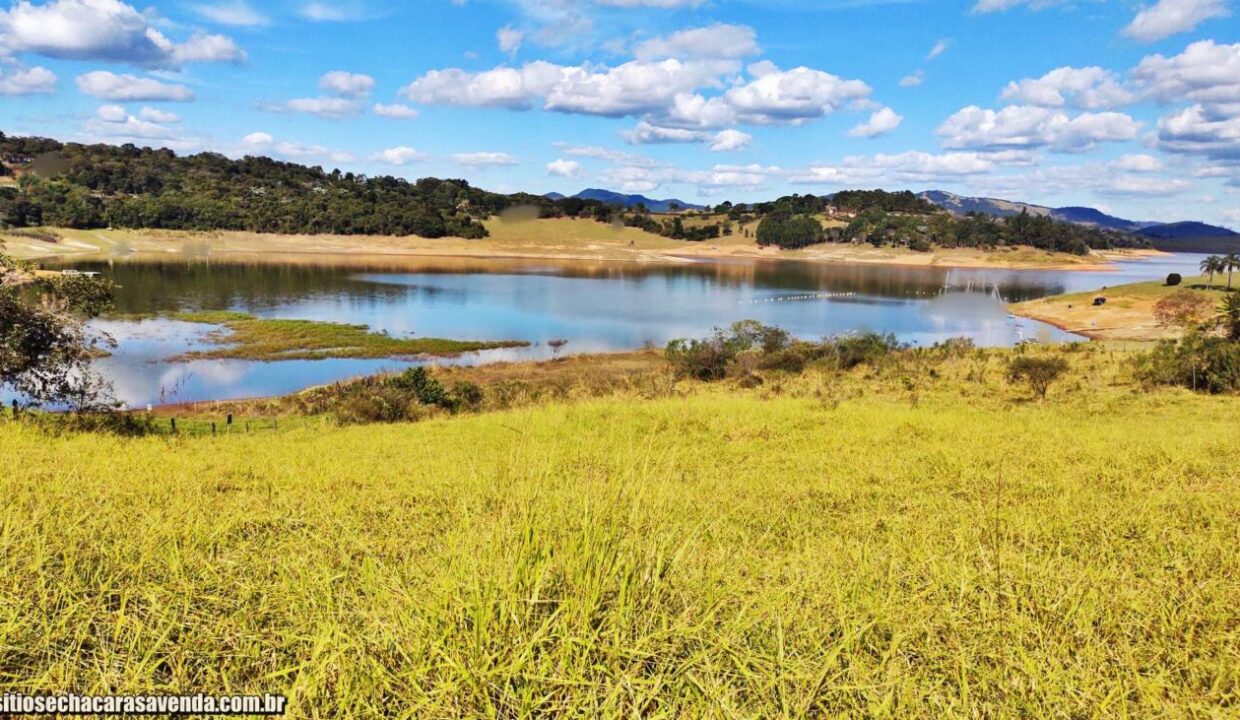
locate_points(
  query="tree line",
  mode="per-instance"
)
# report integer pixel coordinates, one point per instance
(94, 186)
(904, 220)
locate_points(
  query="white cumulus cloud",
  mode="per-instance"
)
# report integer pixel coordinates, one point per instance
(1170, 17)
(400, 155)
(27, 81)
(484, 159)
(110, 86)
(397, 111)
(346, 84)
(881, 122)
(564, 168)
(1032, 127)
(1088, 88)
(713, 41)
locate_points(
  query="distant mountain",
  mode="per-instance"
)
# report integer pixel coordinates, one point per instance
(1179, 236)
(555, 196)
(1186, 230)
(1097, 218)
(628, 201)
(1192, 237)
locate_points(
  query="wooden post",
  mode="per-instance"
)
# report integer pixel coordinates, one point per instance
(174, 424)
(212, 429)
(229, 422)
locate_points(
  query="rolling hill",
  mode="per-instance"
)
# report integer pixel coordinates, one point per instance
(1190, 236)
(628, 201)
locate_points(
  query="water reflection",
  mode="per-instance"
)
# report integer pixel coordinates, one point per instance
(597, 306)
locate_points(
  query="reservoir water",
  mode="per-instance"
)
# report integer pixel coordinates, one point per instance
(595, 306)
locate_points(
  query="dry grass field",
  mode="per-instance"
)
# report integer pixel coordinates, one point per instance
(924, 542)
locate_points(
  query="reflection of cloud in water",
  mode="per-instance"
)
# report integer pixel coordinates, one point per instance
(596, 306)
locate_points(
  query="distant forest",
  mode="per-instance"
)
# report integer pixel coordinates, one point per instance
(95, 186)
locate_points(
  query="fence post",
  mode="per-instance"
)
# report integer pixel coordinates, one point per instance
(212, 429)
(174, 425)
(229, 422)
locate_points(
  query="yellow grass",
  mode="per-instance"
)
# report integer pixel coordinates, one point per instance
(821, 547)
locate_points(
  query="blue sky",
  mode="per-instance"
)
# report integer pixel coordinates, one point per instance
(1133, 107)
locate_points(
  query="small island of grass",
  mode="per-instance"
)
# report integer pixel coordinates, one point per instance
(246, 337)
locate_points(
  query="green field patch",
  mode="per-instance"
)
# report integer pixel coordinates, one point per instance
(246, 337)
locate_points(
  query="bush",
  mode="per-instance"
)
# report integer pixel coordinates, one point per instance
(790, 360)
(1174, 279)
(955, 347)
(705, 360)
(381, 404)
(1037, 373)
(1183, 308)
(1230, 316)
(1198, 362)
(111, 423)
(467, 396)
(751, 333)
(410, 396)
(848, 351)
(712, 358)
(424, 388)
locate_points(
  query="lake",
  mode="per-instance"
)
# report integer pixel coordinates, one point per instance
(595, 306)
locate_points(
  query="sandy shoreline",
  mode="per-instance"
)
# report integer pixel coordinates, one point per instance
(556, 240)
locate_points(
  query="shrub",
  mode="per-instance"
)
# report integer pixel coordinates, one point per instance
(955, 347)
(424, 388)
(790, 360)
(1198, 362)
(1230, 316)
(711, 358)
(378, 404)
(848, 351)
(706, 360)
(1183, 308)
(467, 396)
(1037, 373)
(1174, 279)
(111, 423)
(751, 333)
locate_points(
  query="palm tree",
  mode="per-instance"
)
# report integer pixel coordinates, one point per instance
(1231, 263)
(1212, 266)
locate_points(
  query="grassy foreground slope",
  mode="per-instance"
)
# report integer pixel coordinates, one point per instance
(723, 554)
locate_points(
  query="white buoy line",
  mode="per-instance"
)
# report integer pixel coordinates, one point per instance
(796, 298)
